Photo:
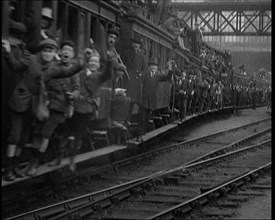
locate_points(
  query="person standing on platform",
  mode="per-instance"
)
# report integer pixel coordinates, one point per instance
(136, 65)
(151, 80)
(204, 86)
(181, 94)
(253, 92)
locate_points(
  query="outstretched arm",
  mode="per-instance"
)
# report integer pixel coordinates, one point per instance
(16, 65)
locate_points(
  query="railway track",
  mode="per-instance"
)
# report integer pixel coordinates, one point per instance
(180, 190)
(70, 204)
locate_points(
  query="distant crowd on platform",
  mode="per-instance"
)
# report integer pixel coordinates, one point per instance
(50, 97)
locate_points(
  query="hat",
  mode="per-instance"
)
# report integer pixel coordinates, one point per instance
(153, 61)
(18, 26)
(47, 12)
(93, 53)
(48, 43)
(113, 30)
(69, 43)
(136, 39)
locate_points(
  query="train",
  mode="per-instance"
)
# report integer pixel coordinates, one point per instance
(79, 20)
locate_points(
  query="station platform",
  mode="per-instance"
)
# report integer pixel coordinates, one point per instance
(107, 154)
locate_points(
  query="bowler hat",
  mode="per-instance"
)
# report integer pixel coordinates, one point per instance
(113, 30)
(69, 43)
(153, 61)
(18, 26)
(48, 43)
(136, 39)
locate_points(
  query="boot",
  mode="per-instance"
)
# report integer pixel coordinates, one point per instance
(56, 161)
(17, 171)
(72, 165)
(9, 176)
(35, 163)
(71, 143)
(33, 167)
(57, 155)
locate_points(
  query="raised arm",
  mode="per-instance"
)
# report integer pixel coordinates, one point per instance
(15, 65)
(62, 72)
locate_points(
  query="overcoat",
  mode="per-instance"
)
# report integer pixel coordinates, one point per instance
(36, 72)
(136, 66)
(150, 84)
(88, 100)
(57, 96)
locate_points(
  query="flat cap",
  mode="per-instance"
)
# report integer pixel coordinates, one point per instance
(48, 43)
(67, 42)
(136, 39)
(113, 30)
(153, 61)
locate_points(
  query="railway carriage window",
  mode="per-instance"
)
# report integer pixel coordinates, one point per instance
(93, 28)
(82, 28)
(146, 47)
(72, 29)
(150, 46)
(61, 22)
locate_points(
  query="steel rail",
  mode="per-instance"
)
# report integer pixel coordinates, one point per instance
(219, 189)
(64, 206)
(157, 176)
(228, 147)
(182, 144)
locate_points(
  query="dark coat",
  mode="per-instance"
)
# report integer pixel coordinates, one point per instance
(136, 66)
(150, 84)
(88, 100)
(36, 73)
(57, 96)
(204, 89)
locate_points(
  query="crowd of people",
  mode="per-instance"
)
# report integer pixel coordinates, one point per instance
(51, 95)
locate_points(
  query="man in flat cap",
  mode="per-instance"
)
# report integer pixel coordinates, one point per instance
(62, 94)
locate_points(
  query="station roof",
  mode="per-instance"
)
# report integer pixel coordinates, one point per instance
(199, 5)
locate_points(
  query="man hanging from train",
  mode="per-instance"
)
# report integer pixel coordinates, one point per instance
(29, 99)
(86, 106)
(151, 79)
(135, 62)
(10, 79)
(62, 93)
(120, 105)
